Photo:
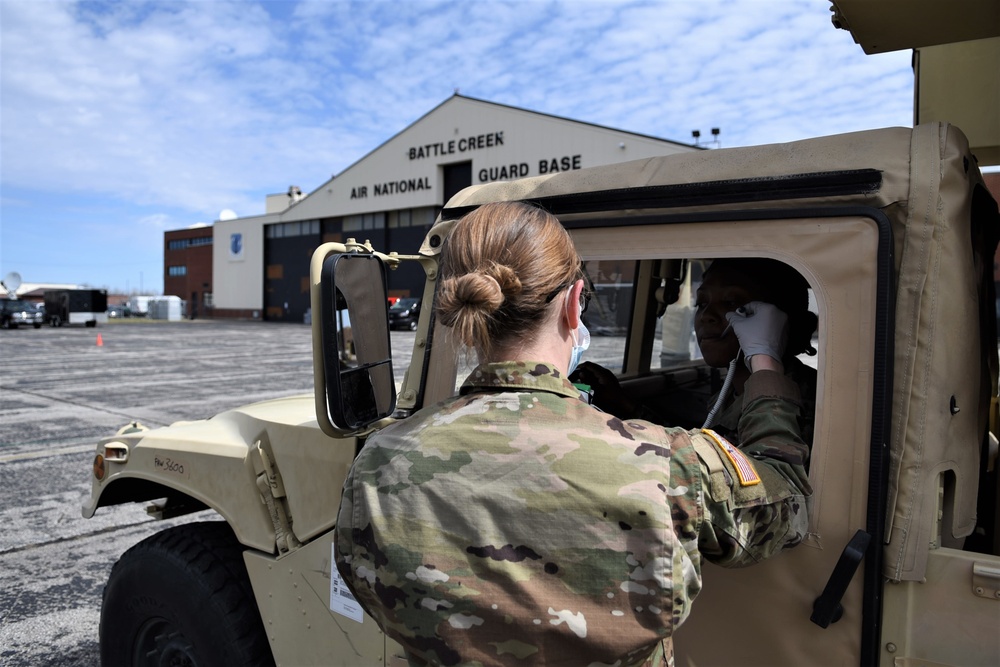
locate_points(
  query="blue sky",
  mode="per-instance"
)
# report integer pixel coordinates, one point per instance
(120, 120)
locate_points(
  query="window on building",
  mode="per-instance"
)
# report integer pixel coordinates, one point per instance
(354, 223)
(401, 218)
(177, 270)
(424, 217)
(181, 244)
(288, 229)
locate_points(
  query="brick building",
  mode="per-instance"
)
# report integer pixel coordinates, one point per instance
(187, 268)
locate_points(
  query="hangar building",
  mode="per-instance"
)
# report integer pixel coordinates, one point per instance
(259, 265)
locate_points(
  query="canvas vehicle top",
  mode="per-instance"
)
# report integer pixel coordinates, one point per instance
(895, 234)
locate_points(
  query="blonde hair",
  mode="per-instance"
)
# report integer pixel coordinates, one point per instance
(499, 268)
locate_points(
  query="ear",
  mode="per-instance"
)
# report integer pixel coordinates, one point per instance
(572, 309)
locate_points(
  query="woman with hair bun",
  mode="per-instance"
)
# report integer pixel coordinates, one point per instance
(514, 523)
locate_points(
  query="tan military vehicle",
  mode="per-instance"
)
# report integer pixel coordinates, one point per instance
(894, 232)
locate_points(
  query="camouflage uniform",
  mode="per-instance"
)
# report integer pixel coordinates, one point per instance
(516, 525)
(727, 422)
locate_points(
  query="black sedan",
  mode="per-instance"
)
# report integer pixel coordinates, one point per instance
(404, 314)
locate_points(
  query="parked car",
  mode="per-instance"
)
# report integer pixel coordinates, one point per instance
(404, 314)
(119, 311)
(15, 313)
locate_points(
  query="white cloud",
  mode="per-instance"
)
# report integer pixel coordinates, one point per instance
(192, 107)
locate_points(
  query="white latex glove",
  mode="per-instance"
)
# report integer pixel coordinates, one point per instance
(760, 328)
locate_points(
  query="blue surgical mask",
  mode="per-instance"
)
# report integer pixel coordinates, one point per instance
(581, 342)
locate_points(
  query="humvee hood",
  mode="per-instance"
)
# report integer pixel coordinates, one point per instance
(216, 462)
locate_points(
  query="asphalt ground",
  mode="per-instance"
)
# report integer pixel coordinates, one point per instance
(60, 392)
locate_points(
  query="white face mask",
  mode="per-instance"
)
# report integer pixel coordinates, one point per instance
(581, 338)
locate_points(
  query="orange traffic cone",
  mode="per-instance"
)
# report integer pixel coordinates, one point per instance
(100, 342)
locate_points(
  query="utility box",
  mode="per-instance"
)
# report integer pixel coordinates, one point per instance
(166, 308)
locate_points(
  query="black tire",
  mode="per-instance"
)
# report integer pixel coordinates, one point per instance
(91, 323)
(37, 325)
(182, 598)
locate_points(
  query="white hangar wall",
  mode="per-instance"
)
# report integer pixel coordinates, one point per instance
(502, 143)
(463, 141)
(238, 265)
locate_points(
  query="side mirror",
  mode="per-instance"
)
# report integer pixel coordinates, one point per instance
(352, 354)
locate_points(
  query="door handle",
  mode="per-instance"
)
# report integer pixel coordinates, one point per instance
(827, 608)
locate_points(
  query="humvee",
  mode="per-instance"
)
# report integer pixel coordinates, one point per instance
(895, 233)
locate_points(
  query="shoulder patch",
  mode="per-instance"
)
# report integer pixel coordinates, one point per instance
(744, 467)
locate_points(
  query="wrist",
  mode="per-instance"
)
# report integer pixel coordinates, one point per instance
(763, 362)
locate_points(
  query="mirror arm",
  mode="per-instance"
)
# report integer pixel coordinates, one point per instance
(392, 260)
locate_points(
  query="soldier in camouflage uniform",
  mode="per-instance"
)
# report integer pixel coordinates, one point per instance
(726, 285)
(515, 524)
(732, 282)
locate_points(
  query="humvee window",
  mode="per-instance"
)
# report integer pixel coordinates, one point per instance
(642, 324)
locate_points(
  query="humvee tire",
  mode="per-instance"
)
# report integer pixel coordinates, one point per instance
(182, 597)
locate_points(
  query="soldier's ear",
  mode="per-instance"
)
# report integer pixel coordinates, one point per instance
(573, 308)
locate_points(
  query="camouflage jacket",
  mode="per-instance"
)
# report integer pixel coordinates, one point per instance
(728, 421)
(516, 525)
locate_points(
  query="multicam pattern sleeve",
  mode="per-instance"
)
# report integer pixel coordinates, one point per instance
(753, 515)
(517, 525)
(728, 421)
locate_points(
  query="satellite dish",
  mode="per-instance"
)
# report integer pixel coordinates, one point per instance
(12, 281)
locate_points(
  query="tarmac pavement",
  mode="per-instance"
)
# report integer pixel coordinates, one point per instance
(60, 392)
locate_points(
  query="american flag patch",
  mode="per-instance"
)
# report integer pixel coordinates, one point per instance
(744, 468)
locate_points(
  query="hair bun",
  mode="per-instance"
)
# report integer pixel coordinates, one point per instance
(497, 266)
(506, 279)
(470, 294)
